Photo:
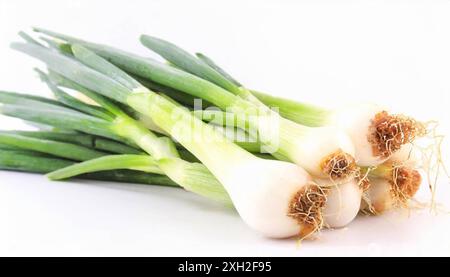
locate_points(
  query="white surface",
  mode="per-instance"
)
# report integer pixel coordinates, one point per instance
(396, 54)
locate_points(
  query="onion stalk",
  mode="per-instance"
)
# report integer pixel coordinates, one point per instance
(30, 161)
(62, 149)
(91, 141)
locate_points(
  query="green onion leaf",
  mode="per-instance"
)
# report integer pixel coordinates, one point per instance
(22, 161)
(90, 59)
(27, 161)
(156, 71)
(182, 59)
(99, 99)
(73, 102)
(217, 68)
(79, 73)
(65, 119)
(28, 38)
(137, 162)
(56, 148)
(13, 98)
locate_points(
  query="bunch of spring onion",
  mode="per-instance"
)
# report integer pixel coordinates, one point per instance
(324, 166)
(279, 202)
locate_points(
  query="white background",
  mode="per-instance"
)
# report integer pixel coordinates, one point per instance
(392, 52)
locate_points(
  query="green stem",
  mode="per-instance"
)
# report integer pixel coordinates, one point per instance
(65, 65)
(217, 68)
(20, 161)
(4, 147)
(158, 147)
(63, 118)
(22, 99)
(131, 176)
(64, 48)
(62, 81)
(69, 137)
(202, 140)
(302, 113)
(186, 155)
(32, 162)
(60, 149)
(28, 38)
(181, 97)
(114, 147)
(135, 162)
(9, 147)
(90, 141)
(73, 102)
(201, 67)
(184, 60)
(195, 177)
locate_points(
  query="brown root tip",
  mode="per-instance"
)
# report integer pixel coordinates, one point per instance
(339, 166)
(387, 133)
(405, 183)
(306, 208)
